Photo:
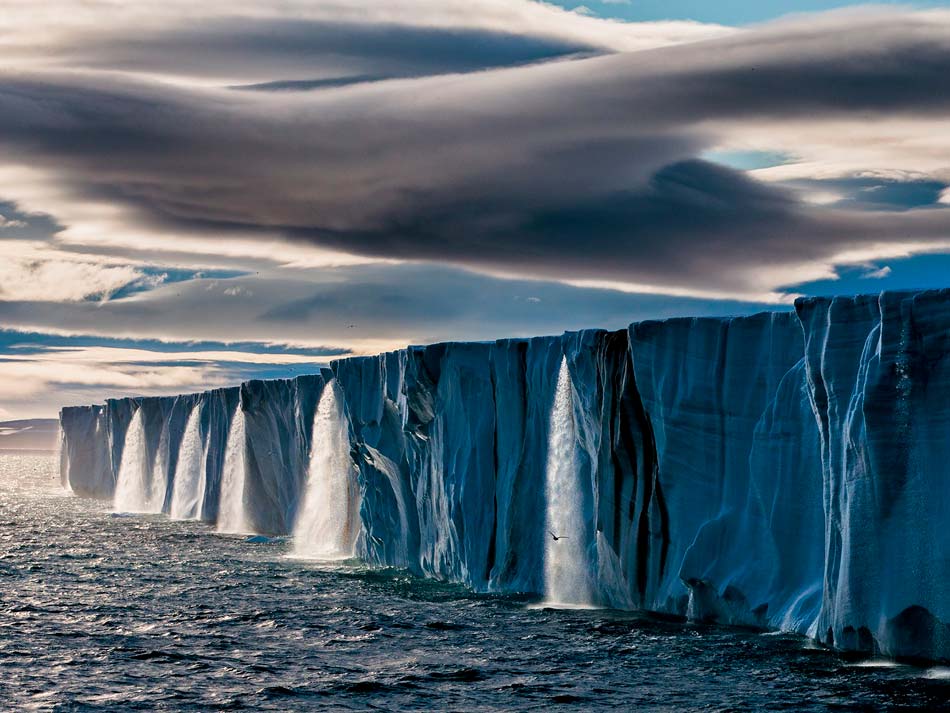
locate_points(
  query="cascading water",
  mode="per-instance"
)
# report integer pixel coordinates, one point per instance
(63, 457)
(189, 486)
(232, 513)
(159, 484)
(566, 578)
(328, 521)
(132, 485)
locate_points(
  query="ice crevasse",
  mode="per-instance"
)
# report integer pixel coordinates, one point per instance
(787, 470)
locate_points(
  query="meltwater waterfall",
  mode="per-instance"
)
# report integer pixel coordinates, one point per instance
(566, 578)
(189, 486)
(158, 487)
(328, 521)
(132, 488)
(232, 512)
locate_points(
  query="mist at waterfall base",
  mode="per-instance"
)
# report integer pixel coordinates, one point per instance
(106, 612)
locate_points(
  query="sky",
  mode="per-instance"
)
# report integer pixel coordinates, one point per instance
(724, 12)
(196, 194)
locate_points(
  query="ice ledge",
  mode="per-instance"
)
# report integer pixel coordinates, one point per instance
(785, 470)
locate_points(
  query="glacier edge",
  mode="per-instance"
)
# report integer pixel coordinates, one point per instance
(784, 470)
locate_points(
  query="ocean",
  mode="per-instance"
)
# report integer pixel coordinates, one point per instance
(100, 612)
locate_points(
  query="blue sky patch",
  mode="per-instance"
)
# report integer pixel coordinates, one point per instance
(726, 12)
(915, 273)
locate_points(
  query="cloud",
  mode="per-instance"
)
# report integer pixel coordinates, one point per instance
(39, 372)
(217, 39)
(581, 170)
(32, 271)
(8, 223)
(157, 342)
(878, 273)
(233, 50)
(19, 224)
(28, 378)
(339, 176)
(388, 306)
(26, 343)
(874, 192)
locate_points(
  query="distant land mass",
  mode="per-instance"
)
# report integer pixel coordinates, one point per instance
(35, 434)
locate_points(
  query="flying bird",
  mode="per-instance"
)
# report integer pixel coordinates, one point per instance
(557, 537)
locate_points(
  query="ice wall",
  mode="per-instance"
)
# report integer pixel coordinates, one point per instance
(879, 378)
(783, 470)
(85, 459)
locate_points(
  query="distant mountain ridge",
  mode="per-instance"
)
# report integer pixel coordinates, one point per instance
(35, 434)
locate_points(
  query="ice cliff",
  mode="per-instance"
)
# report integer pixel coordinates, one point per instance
(785, 470)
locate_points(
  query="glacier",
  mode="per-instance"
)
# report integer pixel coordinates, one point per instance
(786, 470)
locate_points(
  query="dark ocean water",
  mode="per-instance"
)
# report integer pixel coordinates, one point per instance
(99, 612)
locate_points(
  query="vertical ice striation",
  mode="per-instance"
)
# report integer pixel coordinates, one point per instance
(328, 521)
(86, 452)
(278, 422)
(132, 489)
(189, 484)
(566, 567)
(879, 380)
(232, 508)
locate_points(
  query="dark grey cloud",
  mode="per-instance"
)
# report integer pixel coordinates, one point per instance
(275, 49)
(878, 192)
(583, 169)
(18, 224)
(305, 85)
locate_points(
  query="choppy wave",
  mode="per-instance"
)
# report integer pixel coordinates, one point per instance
(99, 613)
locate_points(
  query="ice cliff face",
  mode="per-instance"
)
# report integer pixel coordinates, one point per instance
(878, 377)
(783, 470)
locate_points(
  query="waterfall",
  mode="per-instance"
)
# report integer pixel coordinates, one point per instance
(189, 487)
(328, 521)
(64, 461)
(566, 569)
(159, 484)
(132, 486)
(232, 514)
